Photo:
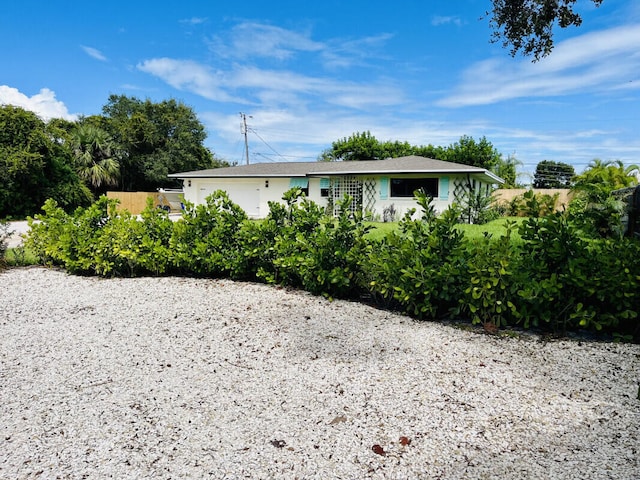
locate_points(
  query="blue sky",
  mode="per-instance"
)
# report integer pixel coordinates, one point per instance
(309, 73)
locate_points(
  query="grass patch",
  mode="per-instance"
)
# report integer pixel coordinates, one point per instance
(495, 228)
(380, 230)
(20, 257)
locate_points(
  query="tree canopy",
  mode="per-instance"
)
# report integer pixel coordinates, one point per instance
(526, 26)
(550, 174)
(364, 146)
(132, 146)
(468, 151)
(156, 139)
(35, 165)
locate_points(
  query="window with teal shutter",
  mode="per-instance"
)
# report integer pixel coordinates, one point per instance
(325, 184)
(444, 188)
(384, 188)
(301, 183)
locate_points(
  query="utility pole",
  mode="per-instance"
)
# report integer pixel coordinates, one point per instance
(244, 132)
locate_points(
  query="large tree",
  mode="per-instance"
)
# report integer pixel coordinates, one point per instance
(526, 26)
(359, 146)
(156, 139)
(550, 174)
(469, 152)
(364, 146)
(35, 164)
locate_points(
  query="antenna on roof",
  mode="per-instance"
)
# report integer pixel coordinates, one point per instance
(244, 131)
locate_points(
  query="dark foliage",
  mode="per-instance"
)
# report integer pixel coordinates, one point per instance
(550, 174)
(526, 26)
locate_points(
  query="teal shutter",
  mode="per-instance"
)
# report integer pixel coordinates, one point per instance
(384, 188)
(443, 188)
(324, 183)
(299, 183)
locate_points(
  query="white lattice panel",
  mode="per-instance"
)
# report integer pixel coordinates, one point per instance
(351, 186)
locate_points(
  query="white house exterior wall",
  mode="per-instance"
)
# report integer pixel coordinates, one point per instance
(239, 189)
(254, 194)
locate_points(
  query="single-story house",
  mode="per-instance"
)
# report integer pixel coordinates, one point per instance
(377, 186)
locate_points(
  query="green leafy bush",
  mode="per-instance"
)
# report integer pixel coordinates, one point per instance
(531, 204)
(575, 283)
(312, 250)
(139, 246)
(98, 240)
(286, 231)
(552, 256)
(553, 278)
(206, 240)
(419, 268)
(334, 256)
(72, 241)
(492, 285)
(478, 208)
(598, 219)
(609, 282)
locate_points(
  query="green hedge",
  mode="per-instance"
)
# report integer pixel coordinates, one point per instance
(552, 278)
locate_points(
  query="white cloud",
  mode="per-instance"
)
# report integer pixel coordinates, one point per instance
(594, 62)
(194, 20)
(251, 39)
(190, 76)
(44, 103)
(341, 53)
(446, 20)
(94, 53)
(130, 86)
(277, 88)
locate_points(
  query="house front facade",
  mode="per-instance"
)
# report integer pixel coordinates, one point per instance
(378, 187)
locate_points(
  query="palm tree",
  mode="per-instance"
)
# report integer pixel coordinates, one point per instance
(507, 170)
(95, 157)
(600, 178)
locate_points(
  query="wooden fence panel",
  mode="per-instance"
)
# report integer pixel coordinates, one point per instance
(133, 202)
(505, 195)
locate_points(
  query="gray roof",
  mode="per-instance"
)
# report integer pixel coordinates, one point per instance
(390, 166)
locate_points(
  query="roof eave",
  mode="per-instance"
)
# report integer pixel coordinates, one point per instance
(252, 175)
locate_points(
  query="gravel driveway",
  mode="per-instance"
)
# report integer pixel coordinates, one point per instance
(197, 378)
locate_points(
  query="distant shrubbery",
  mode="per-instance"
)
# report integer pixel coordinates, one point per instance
(553, 279)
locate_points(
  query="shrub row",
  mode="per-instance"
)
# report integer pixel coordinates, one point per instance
(552, 279)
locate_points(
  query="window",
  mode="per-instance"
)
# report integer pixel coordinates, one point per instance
(301, 183)
(324, 187)
(404, 187)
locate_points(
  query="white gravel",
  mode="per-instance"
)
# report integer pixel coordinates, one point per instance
(196, 378)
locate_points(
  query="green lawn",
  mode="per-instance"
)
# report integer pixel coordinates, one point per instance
(496, 228)
(20, 257)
